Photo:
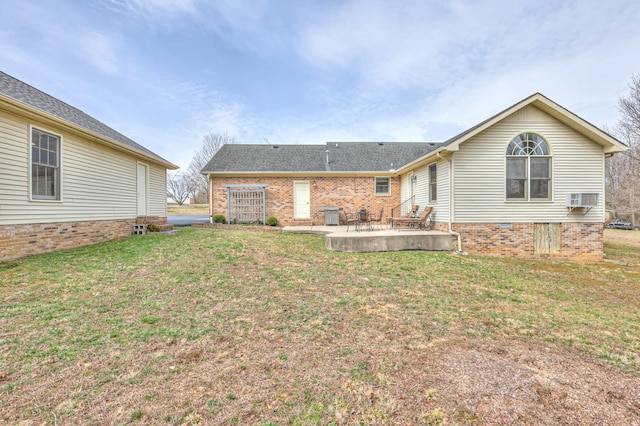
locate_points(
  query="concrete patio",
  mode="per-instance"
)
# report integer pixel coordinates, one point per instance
(377, 240)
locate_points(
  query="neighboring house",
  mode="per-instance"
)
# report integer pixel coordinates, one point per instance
(66, 179)
(528, 181)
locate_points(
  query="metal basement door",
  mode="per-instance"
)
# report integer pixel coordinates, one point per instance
(247, 203)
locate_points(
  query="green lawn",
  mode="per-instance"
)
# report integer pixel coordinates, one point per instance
(220, 327)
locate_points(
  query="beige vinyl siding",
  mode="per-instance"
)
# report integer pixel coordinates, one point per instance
(441, 205)
(479, 171)
(98, 183)
(421, 187)
(13, 161)
(157, 191)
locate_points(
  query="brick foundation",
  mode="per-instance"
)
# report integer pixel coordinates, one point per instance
(578, 241)
(348, 193)
(23, 240)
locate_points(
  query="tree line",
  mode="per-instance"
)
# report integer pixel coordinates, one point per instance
(623, 170)
(190, 184)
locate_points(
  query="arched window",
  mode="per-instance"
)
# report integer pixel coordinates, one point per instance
(528, 168)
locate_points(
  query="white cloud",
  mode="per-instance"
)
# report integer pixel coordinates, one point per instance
(307, 72)
(100, 50)
(454, 64)
(150, 8)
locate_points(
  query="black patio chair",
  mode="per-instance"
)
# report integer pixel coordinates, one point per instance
(377, 220)
(351, 219)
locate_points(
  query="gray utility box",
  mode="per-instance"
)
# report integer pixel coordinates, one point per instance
(332, 216)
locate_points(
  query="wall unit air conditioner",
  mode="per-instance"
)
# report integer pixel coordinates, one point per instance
(586, 200)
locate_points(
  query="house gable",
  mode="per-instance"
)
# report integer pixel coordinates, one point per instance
(479, 168)
(609, 143)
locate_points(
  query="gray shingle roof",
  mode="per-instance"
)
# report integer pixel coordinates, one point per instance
(343, 157)
(23, 92)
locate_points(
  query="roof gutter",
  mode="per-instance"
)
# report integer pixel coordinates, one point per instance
(16, 106)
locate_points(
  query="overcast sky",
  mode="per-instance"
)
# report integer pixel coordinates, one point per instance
(167, 72)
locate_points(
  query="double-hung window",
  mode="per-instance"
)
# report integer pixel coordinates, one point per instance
(383, 186)
(45, 165)
(528, 169)
(433, 182)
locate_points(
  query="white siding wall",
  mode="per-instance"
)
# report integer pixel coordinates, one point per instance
(422, 187)
(157, 190)
(97, 182)
(479, 171)
(441, 205)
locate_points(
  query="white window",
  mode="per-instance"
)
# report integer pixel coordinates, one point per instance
(383, 186)
(45, 165)
(433, 182)
(528, 169)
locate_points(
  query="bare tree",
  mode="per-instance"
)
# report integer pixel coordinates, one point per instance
(211, 143)
(623, 170)
(178, 187)
(629, 107)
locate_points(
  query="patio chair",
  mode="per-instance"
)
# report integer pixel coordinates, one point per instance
(377, 220)
(364, 220)
(350, 219)
(413, 213)
(421, 222)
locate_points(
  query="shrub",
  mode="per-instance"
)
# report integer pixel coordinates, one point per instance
(272, 221)
(153, 228)
(219, 218)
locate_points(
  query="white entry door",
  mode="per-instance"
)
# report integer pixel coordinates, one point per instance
(142, 190)
(301, 200)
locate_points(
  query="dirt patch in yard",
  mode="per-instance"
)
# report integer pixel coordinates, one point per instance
(513, 383)
(268, 380)
(622, 236)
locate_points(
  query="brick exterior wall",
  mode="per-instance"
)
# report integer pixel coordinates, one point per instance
(348, 193)
(578, 241)
(23, 240)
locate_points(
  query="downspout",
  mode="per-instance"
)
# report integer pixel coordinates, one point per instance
(210, 188)
(451, 231)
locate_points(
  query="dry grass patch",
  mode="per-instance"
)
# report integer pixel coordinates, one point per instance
(212, 326)
(622, 236)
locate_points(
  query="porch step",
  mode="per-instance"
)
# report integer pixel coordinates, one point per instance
(146, 224)
(163, 227)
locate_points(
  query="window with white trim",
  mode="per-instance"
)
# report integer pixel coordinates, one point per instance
(528, 169)
(383, 185)
(45, 165)
(433, 182)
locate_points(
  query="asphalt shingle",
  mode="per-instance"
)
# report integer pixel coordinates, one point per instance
(342, 157)
(23, 92)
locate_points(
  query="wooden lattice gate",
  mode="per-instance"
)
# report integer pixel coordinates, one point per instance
(247, 203)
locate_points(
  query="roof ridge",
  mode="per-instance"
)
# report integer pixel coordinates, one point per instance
(27, 94)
